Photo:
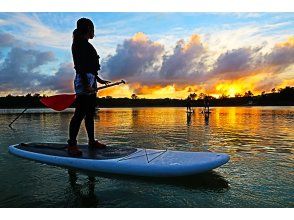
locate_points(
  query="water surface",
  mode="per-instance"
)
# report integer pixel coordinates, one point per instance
(260, 141)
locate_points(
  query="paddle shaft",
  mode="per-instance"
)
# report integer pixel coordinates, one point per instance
(106, 86)
(17, 117)
(110, 85)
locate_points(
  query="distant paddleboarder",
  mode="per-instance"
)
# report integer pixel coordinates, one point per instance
(86, 64)
(206, 105)
(189, 105)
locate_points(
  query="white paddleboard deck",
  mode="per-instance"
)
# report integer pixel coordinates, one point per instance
(124, 160)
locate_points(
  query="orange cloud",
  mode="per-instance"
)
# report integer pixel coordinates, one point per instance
(165, 91)
(120, 91)
(256, 82)
(288, 82)
(193, 41)
(288, 43)
(140, 37)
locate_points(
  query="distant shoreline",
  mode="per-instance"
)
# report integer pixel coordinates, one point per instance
(284, 97)
(107, 107)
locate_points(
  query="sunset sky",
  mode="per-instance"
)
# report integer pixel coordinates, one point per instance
(159, 54)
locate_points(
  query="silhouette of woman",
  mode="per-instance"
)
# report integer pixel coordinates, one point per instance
(86, 64)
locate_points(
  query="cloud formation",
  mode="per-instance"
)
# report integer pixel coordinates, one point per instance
(245, 62)
(135, 57)
(6, 40)
(185, 62)
(190, 64)
(33, 30)
(20, 68)
(26, 70)
(268, 83)
(236, 63)
(62, 80)
(281, 56)
(150, 69)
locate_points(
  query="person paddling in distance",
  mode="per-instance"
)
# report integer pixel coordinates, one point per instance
(206, 104)
(188, 104)
(86, 64)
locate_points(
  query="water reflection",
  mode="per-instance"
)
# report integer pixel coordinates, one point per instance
(205, 181)
(82, 193)
(189, 116)
(206, 118)
(81, 198)
(259, 140)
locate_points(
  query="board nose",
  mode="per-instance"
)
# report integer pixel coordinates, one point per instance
(223, 158)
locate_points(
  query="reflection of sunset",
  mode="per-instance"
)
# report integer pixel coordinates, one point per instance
(233, 129)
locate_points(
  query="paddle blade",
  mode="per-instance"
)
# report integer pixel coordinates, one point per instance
(59, 102)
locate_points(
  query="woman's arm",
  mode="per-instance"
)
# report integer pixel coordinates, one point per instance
(101, 80)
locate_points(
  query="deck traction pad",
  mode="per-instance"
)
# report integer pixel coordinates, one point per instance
(56, 149)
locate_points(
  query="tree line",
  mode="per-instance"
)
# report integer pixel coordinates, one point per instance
(279, 97)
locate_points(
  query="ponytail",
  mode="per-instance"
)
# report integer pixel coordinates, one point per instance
(77, 35)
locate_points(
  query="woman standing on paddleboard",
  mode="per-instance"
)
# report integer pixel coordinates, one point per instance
(86, 64)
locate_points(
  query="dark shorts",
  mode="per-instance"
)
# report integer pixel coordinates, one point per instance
(86, 103)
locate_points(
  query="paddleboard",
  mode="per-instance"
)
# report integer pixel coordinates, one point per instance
(123, 160)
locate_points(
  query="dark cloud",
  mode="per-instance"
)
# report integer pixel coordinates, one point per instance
(280, 58)
(7, 40)
(19, 69)
(244, 62)
(235, 63)
(142, 61)
(136, 56)
(232, 61)
(62, 80)
(186, 61)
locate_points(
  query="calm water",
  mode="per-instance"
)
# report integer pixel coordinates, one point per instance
(260, 141)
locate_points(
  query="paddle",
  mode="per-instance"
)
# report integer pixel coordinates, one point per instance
(63, 101)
